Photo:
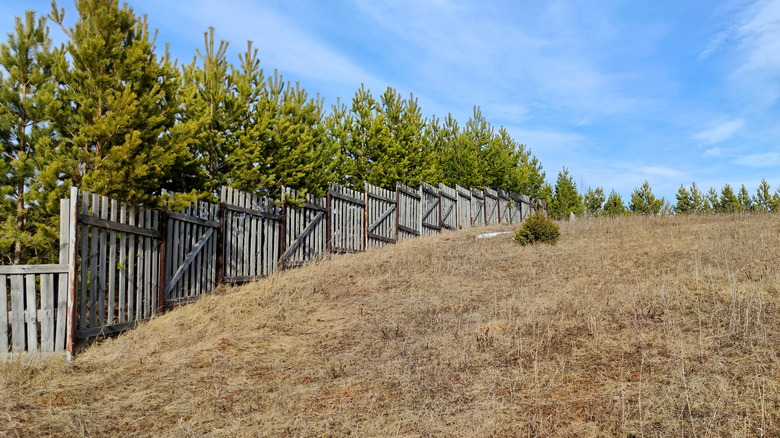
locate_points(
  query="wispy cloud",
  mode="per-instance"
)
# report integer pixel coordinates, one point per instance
(768, 159)
(719, 131)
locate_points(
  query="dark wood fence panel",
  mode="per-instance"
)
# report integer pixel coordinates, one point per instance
(409, 212)
(431, 209)
(252, 235)
(305, 228)
(464, 207)
(381, 208)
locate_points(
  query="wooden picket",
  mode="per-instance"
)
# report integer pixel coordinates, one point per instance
(464, 207)
(305, 236)
(381, 208)
(431, 209)
(346, 210)
(449, 207)
(409, 212)
(252, 235)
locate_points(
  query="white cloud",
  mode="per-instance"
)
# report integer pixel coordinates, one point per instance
(768, 159)
(720, 131)
(713, 152)
(662, 172)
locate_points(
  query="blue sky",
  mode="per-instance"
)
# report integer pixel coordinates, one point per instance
(617, 91)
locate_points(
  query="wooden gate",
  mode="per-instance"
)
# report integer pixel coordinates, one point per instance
(190, 261)
(305, 229)
(431, 208)
(118, 265)
(382, 225)
(464, 206)
(346, 220)
(491, 207)
(504, 207)
(409, 224)
(449, 204)
(252, 236)
(477, 207)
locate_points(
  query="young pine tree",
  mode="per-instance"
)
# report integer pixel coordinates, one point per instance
(594, 201)
(745, 201)
(684, 202)
(614, 205)
(728, 201)
(118, 105)
(28, 200)
(566, 199)
(643, 201)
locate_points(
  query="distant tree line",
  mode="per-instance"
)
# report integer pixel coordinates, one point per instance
(110, 114)
(565, 199)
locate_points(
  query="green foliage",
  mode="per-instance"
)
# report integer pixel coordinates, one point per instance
(538, 229)
(745, 201)
(614, 205)
(566, 199)
(112, 128)
(684, 201)
(644, 202)
(28, 200)
(728, 201)
(764, 200)
(594, 201)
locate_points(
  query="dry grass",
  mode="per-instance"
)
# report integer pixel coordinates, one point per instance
(627, 327)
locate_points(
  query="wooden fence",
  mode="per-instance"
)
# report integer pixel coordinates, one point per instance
(121, 264)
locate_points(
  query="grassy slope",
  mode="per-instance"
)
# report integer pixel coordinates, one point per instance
(635, 326)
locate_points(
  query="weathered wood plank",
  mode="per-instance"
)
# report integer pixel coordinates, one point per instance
(112, 252)
(34, 269)
(184, 266)
(101, 223)
(17, 314)
(31, 313)
(102, 263)
(341, 196)
(4, 334)
(46, 315)
(193, 220)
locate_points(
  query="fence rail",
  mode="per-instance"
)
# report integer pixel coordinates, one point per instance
(120, 264)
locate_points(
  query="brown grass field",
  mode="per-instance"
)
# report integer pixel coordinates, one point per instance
(627, 327)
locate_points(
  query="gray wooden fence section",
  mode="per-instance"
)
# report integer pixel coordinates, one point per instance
(119, 261)
(464, 207)
(347, 216)
(190, 262)
(121, 264)
(33, 302)
(431, 210)
(252, 235)
(409, 212)
(381, 208)
(305, 229)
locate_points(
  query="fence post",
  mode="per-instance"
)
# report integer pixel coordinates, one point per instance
(328, 222)
(282, 230)
(221, 245)
(365, 217)
(70, 330)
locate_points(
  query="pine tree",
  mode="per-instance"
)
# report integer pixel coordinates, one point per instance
(566, 199)
(728, 201)
(684, 202)
(594, 201)
(28, 200)
(763, 199)
(614, 205)
(698, 203)
(713, 200)
(118, 106)
(744, 199)
(213, 111)
(461, 156)
(644, 202)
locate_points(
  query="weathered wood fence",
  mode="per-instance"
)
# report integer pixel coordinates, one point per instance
(121, 264)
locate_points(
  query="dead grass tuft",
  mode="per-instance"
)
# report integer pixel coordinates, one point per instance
(628, 327)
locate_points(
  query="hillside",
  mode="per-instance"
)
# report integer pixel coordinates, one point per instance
(628, 327)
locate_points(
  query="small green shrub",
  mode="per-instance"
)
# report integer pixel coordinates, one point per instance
(538, 229)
